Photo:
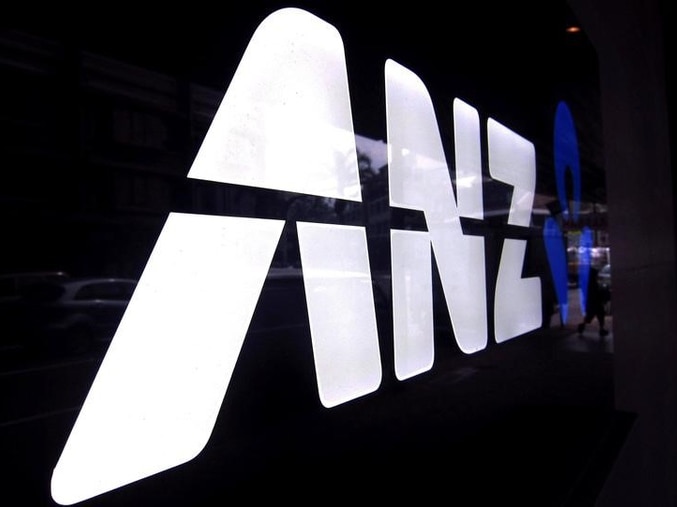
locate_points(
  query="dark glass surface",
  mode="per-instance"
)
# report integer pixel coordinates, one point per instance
(100, 125)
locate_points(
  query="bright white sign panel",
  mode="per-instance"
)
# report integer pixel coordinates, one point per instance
(512, 159)
(413, 330)
(420, 179)
(285, 121)
(341, 310)
(159, 389)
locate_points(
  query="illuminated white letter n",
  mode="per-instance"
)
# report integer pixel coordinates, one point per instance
(420, 180)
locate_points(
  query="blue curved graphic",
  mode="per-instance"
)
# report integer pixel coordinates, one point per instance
(566, 158)
(557, 258)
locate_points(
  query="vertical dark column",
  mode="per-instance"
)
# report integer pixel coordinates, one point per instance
(629, 40)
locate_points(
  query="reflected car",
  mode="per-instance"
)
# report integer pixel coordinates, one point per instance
(72, 315)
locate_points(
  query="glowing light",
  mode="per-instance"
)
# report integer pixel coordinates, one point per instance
(512, 159)
(517, 307)
(342, 316)
(413, 331)
(286, 118)
(420, 180)
(557, 259)
(566, 158)
(468, 155)
(156, 396)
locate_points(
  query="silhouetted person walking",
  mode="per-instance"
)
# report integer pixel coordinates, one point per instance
(596, 298)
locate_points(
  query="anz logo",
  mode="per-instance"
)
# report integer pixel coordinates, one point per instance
(283, 119)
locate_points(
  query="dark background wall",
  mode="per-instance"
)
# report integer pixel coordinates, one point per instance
(633, 66)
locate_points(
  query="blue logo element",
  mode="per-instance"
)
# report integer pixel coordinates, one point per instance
(566, 157)
(557, 258)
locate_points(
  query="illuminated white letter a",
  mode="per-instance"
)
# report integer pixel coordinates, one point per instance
(283, 121)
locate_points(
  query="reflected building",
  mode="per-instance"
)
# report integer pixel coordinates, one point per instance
(96, 153)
